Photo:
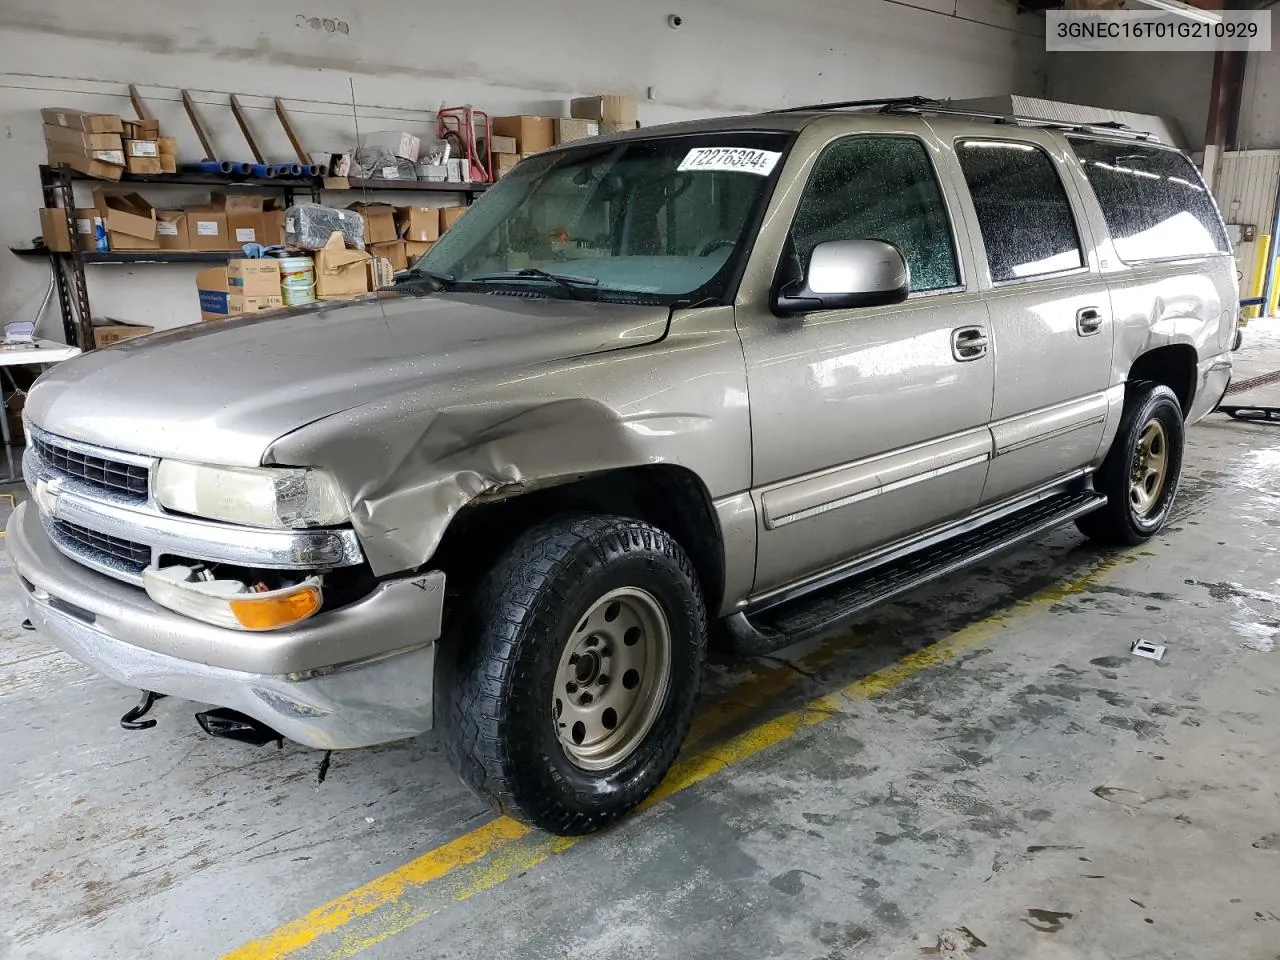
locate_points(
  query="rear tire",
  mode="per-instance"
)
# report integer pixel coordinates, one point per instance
(1141, 472)
(565, 696)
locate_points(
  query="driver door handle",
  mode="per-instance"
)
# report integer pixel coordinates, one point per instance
(969, 343)
(1088, 321)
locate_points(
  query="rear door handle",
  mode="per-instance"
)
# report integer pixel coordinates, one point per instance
(969, 343)
(1088, 321)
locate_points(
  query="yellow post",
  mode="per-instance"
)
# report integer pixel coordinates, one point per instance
(1259, 274)
(1273, 303)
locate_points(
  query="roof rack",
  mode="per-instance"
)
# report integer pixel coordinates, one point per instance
(941, 108)
(922, 105)
(885, 102)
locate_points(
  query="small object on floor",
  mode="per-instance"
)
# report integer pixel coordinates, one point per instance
(133, 719)
(234, 725)
(1143, 648)
(1259, 414)
(324, 767)
(28, 625)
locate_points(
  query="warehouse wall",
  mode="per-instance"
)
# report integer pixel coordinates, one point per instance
(398, 60)
(1172, 85)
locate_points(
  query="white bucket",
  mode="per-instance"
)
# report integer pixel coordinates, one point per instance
(298, 280)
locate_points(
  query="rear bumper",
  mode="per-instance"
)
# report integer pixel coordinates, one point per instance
(353, 677)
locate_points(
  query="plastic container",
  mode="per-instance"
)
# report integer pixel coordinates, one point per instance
(298, 280)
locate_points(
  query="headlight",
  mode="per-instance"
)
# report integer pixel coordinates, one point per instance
(253, 496)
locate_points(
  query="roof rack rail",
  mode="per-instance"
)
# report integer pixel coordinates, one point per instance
(1112, 127)
(885, 102)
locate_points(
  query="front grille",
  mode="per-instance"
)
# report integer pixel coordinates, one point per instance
(99, 471)
(99, 547)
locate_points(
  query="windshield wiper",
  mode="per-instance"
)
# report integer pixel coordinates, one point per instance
(437, 281)
(565, 281)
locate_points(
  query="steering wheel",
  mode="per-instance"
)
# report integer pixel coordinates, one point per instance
(711, 246)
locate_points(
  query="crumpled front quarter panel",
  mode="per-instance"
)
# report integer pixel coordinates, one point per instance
(409, 464)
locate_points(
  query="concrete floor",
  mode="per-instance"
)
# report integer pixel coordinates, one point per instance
(981, 770)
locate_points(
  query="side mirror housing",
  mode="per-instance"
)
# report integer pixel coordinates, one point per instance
(844, 274)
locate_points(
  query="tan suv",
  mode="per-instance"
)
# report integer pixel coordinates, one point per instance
(741, 377)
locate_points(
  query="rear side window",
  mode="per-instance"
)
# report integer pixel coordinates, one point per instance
(1023, 212)
(1154, 202)
(879, 188)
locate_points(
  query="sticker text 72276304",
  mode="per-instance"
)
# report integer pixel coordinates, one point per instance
(740, 159)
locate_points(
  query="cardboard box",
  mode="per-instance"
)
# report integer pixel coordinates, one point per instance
(79, 120)
(130, 220)
(144, 165)
(108, 333)
(449, 216)
(251, 218)
(393, 251)
(341, 272)
(238, 304)
(381, 273)
(614, 126)
(611, 107)
(79, 161)
(401, 144)
(86, 165)
(569, 129)
(168, 146)
(88, 221)
(414, 249)
(504, 163)
(503, 145)
(379, 221)
(54, 229)
(77, 139)
(140, 129)
(168, 163)
(253, 278)
(207, 228)
(171, 230)
(211, 288)
(531, 134)
(420, 224)
(272, 232)
(141, 148)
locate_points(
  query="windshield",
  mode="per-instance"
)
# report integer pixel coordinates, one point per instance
(650, 221)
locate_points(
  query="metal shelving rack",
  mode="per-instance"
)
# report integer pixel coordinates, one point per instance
(68, 268)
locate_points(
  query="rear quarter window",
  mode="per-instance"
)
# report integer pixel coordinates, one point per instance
(1153, 200)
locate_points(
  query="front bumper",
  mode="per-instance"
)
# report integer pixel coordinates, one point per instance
(352, 677)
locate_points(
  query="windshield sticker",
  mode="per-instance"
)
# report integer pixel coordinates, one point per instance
(741, 159)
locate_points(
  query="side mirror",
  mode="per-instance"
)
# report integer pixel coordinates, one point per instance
(843, 274)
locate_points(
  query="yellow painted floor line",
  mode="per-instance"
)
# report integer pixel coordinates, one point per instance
(503, 848)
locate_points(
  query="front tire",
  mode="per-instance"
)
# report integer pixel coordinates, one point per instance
(1141, 472)
(565, 697)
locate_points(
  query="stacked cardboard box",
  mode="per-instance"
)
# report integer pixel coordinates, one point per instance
(449, 216)
(90, 143)
(613, 112)
(130, 220)
(57, 236)
(531, 134)
(342, 273)
(251, 218)
(242, 286)
(419, 229)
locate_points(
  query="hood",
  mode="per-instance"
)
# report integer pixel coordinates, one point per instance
(221, 392)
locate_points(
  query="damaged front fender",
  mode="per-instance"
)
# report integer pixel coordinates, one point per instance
(409, 465)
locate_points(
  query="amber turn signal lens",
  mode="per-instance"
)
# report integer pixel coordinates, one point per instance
(277, 610)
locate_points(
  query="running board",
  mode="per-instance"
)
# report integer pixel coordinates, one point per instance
(764, 630)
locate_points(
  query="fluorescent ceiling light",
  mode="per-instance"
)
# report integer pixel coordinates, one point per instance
(1183, 10)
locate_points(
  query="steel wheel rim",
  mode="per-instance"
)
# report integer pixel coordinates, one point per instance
(613, 678)
(1150, 468)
